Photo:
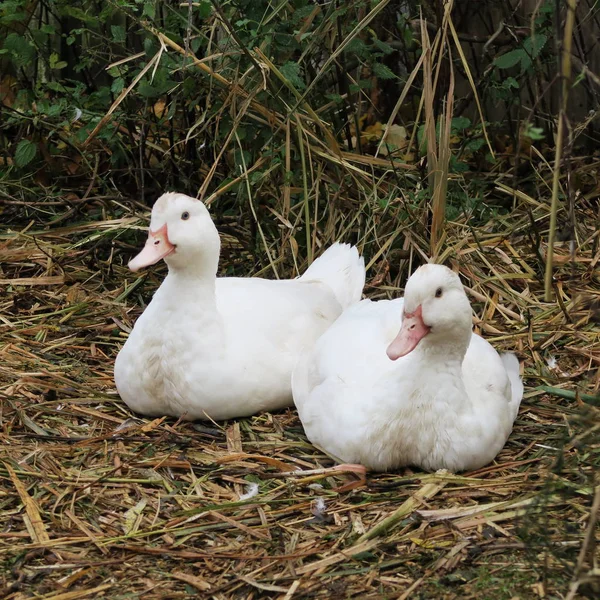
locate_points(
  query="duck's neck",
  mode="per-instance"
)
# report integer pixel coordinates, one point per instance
(193, 286)
(451, 352)
(194, 275)
(437, 369)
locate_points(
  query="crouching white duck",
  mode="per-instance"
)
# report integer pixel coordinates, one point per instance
(208, 347)
(406, 382)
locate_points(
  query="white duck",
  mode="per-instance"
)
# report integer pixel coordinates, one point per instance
(208, 347)
(433, 395)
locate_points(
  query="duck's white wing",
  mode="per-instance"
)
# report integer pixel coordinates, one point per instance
(334, 381)
(287, 313)
(494, 387)
(484, 372)
(292, 314)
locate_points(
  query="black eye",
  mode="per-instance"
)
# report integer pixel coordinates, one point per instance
(438, 293)
(185, 215)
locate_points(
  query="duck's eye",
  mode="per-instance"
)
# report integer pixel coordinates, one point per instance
(185, 215)
(438, 293)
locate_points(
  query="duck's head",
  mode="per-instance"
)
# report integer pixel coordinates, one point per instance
(437, 313)
(182, 233)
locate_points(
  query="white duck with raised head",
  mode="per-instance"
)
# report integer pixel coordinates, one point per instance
(407, 382)
(209, 347)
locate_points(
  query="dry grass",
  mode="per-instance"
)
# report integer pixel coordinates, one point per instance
(99, 503)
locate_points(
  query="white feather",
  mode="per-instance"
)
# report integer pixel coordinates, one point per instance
(251, 491)
(218, 348)
(449, 403)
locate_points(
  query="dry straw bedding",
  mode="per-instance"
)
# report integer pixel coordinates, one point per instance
(96, 502)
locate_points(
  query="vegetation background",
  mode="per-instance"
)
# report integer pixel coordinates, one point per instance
(461, 131)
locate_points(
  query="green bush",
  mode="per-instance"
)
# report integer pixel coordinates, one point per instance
(275, 111)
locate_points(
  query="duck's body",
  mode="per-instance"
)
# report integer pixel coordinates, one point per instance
(218, 348)
(447, 403)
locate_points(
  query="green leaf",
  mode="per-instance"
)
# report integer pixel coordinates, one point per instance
(117, 85)
(385, 48)
(21, 50)
(241, 133)
(204, 9)
(510, 59)
(80, 14)
(56, 86)
(408, 36)
(510, 82)
(149, 9)
(118, 33)
(475, 144)
(150, 46)
(8, 16)
(533, 133)
(85, 131)
(25, 153)
(300, 13)
(334, 98)
(358, 47)
(147, 91)
(525, 63)
(291, 71)
(382, 72)
(533, 45)
(361, 84)
(54, 110)
(242, 158)
(55, 63)
(457, 166)
(460, 123)
(195, 44)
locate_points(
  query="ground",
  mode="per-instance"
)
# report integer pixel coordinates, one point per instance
(96, 502)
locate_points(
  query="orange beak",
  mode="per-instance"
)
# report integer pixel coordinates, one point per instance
(412, 331)
(157, 247)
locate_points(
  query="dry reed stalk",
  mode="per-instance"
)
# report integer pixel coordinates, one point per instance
(438, 148)
(565, 74)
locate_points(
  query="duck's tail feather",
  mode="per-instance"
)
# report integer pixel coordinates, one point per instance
(342, 269)
(511, 364)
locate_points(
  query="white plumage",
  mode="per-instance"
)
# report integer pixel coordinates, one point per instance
(219, 348)
(448, 400)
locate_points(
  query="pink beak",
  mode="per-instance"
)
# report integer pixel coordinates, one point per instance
(413, 330)
(157, 246)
